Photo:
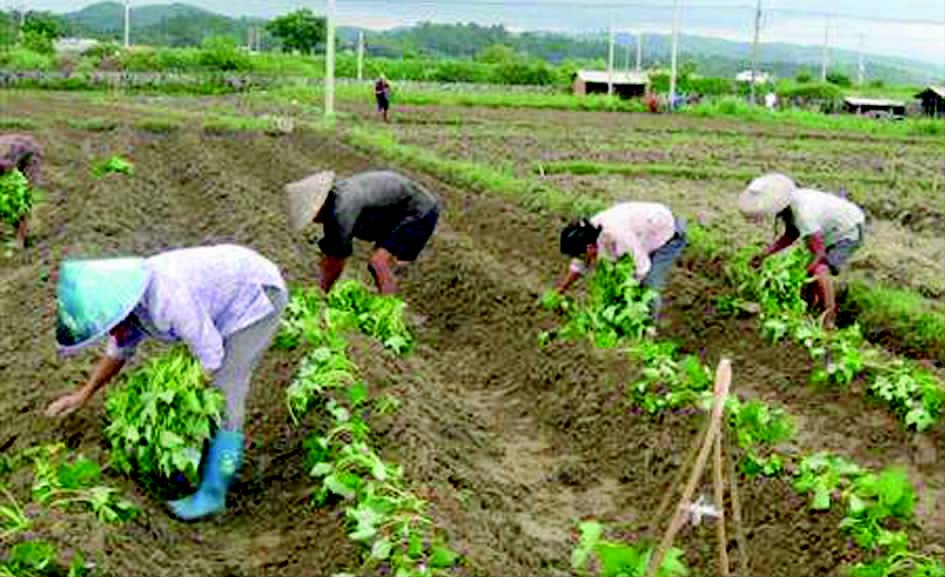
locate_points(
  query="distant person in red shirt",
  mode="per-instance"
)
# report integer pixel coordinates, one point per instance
(21, 152)
(382, 95)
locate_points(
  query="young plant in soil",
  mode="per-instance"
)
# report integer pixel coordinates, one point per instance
(595, 556)
(62, 484)
(160, 418)
(758, 429)
(666, 382)
(388, 520)
(113, 165)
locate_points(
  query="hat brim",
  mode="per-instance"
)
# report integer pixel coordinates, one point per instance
(762, 203)
(306, 198)
(71, 349)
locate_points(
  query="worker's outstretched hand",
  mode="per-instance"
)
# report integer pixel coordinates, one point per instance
(66, 404)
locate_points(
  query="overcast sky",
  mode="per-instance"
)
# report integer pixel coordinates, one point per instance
(912, 28)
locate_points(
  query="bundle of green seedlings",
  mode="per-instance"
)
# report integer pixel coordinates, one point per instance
(16, 197)
(595, 556)
(56, 482)
(877, 506)
(113, 165)
(383, 515)
(160, 417)
(615, 307)
(839, 356)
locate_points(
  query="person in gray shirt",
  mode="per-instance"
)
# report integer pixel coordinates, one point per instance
(384, 207)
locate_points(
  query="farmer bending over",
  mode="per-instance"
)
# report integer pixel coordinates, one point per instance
(831, 226)
(383, 207)
(224, 301)
(648, 231)
(22, 152)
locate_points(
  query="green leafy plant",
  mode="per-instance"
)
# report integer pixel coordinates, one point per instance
(614, 559)
(873, 499)
(16, 197)
(379, 316)
(615, 306)
(159, 419)
(915, 394)
(900, 563)
(824, 476)
(758, 428)
(667, 382)
(324, 368)
(113, 165)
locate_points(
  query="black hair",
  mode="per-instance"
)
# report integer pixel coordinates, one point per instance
(577, 235)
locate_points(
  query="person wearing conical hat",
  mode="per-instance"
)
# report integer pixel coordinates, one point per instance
(831, 226)
(225, 302)
(21, 152)
(648, 231)
(394, 212)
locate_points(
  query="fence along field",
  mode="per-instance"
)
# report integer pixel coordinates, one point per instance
(480, 339)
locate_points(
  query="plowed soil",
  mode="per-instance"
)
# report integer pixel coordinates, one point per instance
(512, 444)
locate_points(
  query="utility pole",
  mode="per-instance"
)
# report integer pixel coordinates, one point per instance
(639, 50)
(610, 63)
(127, 23)
(330, 61)
(861, 69)
(823, 63)
(360, 55)
(672, 76)
(626, 62)
(754, 50)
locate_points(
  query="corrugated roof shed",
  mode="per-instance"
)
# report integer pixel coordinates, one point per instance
(601, 77)
(857, 101)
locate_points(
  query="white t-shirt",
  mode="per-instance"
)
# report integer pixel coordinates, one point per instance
(638, 228)
(815, 211)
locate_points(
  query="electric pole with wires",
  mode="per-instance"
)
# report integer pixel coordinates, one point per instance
(754, 51)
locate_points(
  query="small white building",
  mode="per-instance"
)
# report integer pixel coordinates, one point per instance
(626, 84)
(760, 77)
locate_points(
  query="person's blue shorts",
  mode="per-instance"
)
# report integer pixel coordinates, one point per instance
(841, 251)
(411, 235)
(663, 258)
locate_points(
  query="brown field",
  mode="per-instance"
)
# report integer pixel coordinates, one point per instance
(512, 444)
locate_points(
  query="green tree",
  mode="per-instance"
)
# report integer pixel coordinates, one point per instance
(838, 79)
(301, 30)
(43, 24)
(497, 54)
(222, 53)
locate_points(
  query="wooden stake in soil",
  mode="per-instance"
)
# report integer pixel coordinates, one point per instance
(719, 501)
(723, 379)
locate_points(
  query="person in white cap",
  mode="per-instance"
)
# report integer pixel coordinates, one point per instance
(383, 207)
(831, 226)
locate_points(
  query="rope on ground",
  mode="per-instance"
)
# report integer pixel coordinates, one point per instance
(723, 379)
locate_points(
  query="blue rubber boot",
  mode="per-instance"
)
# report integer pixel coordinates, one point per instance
(223, 460)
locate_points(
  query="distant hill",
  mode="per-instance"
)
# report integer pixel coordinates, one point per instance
(164, 24)
(184, 25)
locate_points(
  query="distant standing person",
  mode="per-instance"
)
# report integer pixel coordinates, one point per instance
(648, 231)
(384, 207)
(831, 226)
(382, 95)
(771, 100)
(21, 152)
